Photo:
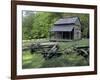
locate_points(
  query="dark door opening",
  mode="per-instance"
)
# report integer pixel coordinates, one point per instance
(66, 35)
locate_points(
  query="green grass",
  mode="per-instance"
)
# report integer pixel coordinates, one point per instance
(83, 42)
(37, 61)
(65, 61)
(32, 61)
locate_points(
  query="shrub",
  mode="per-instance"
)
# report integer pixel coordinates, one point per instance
(66, 61)
(74, 60)
(54, 62)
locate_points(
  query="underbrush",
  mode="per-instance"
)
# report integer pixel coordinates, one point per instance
(66, 60)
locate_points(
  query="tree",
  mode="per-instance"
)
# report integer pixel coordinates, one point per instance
(27, 21)
(42, 24)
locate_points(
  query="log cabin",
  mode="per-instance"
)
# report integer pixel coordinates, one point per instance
(66, 29)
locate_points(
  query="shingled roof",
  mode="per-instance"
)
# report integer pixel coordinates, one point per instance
(63, 28)
(66, 24)
(69, 20)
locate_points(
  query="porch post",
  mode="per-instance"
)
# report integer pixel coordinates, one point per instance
(69, 35)
(62, 35)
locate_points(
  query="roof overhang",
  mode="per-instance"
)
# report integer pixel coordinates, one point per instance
(64, 28)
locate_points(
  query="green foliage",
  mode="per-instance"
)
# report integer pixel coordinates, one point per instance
(42, 24)
(68, 58)
(37, 60)
(73, 59)
(71, 44)
(85, 25)
(27, 26)
(38, 24)
(32, 61)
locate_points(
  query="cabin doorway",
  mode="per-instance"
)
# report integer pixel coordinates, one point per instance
(66, 35)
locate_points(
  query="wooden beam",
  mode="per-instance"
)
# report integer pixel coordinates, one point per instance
(62, 35)
(69, 35)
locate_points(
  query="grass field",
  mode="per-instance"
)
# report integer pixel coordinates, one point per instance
(37, 61)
